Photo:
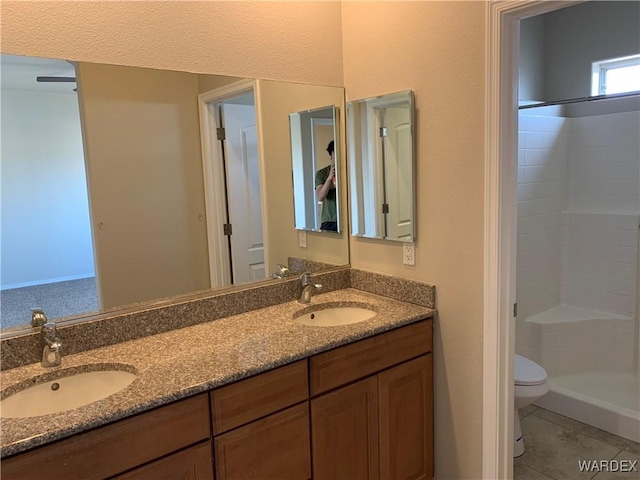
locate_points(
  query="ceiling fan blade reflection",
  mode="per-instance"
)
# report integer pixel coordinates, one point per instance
(56, 79)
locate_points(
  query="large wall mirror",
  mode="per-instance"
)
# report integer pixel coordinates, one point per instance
(315, 169)
(120, 186)
(382, 167)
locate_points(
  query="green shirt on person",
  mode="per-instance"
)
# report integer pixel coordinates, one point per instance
(329, 213)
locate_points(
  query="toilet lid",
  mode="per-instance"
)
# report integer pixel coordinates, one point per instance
(528, 372)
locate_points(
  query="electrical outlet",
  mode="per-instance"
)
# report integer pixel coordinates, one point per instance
(408, 254)
(302, 239)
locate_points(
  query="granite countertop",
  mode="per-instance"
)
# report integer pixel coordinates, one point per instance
(180, 363)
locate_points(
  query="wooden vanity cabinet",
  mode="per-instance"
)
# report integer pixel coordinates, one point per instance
(116, 448)
(261, 426)
(405, 433)
(344, 427)
(255, 397)
(357, 360)
(274, 448)
(380, 427)
(361, 411)
(194, 463)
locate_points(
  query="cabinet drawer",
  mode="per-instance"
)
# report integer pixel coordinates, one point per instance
(118, 447)
(365, 357)
(247, 400)
(195, 463)
(274, 448)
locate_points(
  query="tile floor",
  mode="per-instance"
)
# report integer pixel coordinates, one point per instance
(555, 444)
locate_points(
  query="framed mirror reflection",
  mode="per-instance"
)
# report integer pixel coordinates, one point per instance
(117, 190)
(315, 169)
(382, 166)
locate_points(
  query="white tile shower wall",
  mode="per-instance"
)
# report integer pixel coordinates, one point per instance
(604, 164)
(542, 185)
(601, 238)
(585, 346)
(578, 238)
(602, 261)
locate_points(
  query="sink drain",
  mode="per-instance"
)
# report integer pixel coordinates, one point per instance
(55, 386)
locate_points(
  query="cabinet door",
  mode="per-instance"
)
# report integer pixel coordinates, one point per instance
(344, 432)
(276, 447)
(195, 463)
(406, 420)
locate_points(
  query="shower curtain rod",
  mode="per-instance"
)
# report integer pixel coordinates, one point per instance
(580, 99)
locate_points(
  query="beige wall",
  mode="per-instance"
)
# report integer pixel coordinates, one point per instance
(275, 101)
(436, 49)
(142, 145)
(291, 41)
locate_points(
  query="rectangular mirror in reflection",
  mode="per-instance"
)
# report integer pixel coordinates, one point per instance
(117, 188)
(315, 170)
(382, 167)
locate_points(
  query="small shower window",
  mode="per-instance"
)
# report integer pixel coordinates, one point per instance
(617, 75)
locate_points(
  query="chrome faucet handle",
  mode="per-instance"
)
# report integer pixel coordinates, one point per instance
(38, 317)
(305, 278)
(48, 332)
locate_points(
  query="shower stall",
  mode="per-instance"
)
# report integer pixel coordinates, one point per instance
(578, 257)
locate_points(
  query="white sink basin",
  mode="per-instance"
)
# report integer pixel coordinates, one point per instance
(65, 393)
(335, 316)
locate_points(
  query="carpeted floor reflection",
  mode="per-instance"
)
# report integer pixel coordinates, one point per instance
(61, 299)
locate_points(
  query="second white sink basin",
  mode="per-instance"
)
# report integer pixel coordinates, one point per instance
(335, 316)
(65, 393)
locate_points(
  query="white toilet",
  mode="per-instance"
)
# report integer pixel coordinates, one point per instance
(530, 384)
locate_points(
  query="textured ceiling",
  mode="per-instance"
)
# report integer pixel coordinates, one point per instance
(289, 41)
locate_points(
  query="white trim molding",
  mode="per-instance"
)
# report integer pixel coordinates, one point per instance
(497, 461)
(213, 173)
(500, 210)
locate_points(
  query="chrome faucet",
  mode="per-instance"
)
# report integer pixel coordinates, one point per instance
(307, 288)
(281, 271)
(51, 346)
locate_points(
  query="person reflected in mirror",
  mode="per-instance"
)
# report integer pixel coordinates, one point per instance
(326, 192)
